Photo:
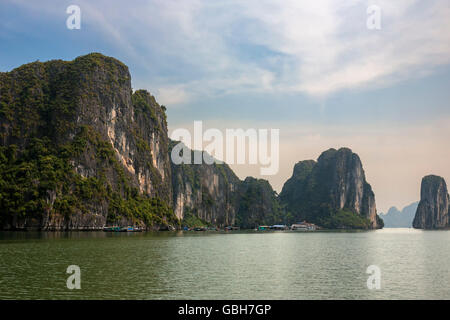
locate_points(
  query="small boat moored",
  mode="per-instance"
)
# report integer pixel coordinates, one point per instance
(303, 226)
(279, 227)
(122, 229)
(112, 229)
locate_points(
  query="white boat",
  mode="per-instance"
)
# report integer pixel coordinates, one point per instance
(304, 226)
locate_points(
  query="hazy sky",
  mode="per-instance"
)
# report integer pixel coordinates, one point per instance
(310, 68)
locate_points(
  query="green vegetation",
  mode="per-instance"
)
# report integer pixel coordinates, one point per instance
(207, 199)
(191, 220)
(145, 105)
(258, 204)
(344, 219)
(50, 164)
(28, 179)
(57, 160)
(223, 169)
(142, 105)
(315, 191)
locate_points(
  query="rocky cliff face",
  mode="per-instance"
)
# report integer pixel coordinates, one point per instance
(214, 194)
(433, 209)
(258, 204)
(332, 191)
(208, 192)
(79, 149)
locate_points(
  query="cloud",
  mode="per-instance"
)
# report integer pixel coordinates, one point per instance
(332, 50)
(313, 47)
(172, 95)
(185, 51)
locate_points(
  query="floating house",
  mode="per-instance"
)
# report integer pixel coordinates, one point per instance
(304, 226)
(279, 227)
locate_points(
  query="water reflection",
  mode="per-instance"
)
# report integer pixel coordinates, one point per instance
(233, 265)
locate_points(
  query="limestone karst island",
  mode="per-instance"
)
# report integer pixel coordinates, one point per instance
(82, 150)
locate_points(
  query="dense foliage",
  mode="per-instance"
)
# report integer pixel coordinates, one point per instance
(191, 220)
(344, 219)
(63, 153)
(315, 190)
(28, 178)
(258, 205)
(41, 143)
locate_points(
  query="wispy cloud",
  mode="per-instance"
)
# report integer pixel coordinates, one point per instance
(172, 95)
(313, 47)
(239, 63)
(331, 49)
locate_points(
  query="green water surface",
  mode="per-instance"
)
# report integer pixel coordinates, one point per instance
(414, 264)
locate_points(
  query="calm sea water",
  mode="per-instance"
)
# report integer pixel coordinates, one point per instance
(236, 265)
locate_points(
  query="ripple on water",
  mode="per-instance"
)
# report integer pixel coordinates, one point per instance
(236, 265)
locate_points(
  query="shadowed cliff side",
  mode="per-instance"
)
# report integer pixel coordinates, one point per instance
(216, 196)
(258, 204)
(208, 192)
(433, 209)
(331, 192)
(80, 150)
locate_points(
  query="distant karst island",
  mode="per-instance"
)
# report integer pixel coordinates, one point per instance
(80, 150)
(395, 218)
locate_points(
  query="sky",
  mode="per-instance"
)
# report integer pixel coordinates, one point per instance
(312, 69)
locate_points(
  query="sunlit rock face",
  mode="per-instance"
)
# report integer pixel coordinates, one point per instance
(80, 150)
(207, 191)
(83, 113)
(433, 209)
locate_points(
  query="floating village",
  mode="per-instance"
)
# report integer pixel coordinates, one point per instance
(301, 226)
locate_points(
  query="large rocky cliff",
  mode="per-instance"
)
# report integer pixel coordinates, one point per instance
(214, 194)
(208, 192)
(433, 209)
(79, 149)
(258, 204)
(332, 192)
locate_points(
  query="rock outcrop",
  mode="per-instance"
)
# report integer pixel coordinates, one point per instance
(258, 204)
(332, 192)
(433, 209)
(206, 191)
(214, 194)
(79, 149)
